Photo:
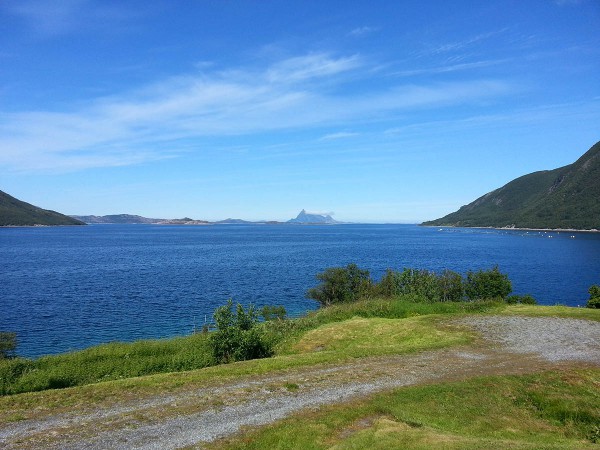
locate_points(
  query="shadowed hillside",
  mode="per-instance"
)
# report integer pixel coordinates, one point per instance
(14, 212)
(565, 198)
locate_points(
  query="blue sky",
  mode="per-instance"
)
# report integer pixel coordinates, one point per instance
(375, 111)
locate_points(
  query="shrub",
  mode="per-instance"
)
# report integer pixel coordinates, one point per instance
(388, 285)
(341, 285)
(237, 337)
(419, 282)
(8, 344)
(594, 300)
(523, 299)
(487, 285)
(451, 286)
(270, 312)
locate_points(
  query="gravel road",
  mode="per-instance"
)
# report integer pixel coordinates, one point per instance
(509, 345)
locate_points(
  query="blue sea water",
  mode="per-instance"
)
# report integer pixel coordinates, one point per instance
(65, 288)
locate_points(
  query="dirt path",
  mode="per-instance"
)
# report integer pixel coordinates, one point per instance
(510, 345)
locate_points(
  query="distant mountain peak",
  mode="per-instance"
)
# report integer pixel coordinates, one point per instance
(305, 217)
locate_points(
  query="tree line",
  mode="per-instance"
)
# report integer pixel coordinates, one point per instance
(351, 283)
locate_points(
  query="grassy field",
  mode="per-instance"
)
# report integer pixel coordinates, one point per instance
(322, 338)
(554, 410)
(117, 361)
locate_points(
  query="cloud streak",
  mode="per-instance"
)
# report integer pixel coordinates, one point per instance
(48, 18)
(291, 94)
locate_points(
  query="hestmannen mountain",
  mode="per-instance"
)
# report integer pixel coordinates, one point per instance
(14, 212)
(563, 198)
(308, 218)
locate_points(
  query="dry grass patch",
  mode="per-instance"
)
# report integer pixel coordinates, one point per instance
(376, 336)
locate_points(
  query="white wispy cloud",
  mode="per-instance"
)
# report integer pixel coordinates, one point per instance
(338, 135)
(148, 124)
(310, 66)
(319, 212)
(583, 112)
(465, 43)
(362, 31)
(450, 68)
(50, 18)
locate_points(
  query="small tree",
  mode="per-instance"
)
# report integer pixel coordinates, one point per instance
(488, 284)
(270, 312)
(341, 285)
(237, 337)
(8, 344)
(388, 285)
(451, 286)
(594, 300)
(421, 283)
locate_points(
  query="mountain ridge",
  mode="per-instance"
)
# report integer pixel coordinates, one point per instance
(562, 198)
(302, 218)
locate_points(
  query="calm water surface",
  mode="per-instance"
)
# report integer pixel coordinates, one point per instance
(64, 288)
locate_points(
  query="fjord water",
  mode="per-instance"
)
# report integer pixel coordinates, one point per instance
(65, 288)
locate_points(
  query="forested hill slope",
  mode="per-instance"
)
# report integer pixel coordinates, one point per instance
(15, 212)
(567, 198)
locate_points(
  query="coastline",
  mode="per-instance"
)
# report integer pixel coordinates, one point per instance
(553, 230)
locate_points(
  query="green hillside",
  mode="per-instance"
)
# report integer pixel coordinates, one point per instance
(565, 198)
(14, 212)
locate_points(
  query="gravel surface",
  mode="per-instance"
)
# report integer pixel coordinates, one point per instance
(509, 345)
(552, 338)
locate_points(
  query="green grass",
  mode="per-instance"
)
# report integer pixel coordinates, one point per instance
(104, 362)
(117, 361)
(357, 337)
(360, 337)
(554, 410)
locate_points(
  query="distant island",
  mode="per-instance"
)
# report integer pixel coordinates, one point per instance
(303, 218)
(17, 213)
(563, 198)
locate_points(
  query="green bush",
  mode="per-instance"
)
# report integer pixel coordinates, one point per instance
(389, 285)
(419, 282)
(237, 337)
(451, 286)
(423, 284)
(594, 300)
(8, 344)
(487, 285)
(522, 299)
(349, 284)
(270, 312)
(341, 285)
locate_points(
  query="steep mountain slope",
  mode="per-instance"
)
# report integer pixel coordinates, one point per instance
(567, 197)
(14, 212)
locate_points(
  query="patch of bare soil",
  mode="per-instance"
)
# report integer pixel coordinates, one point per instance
(509, 345)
